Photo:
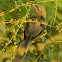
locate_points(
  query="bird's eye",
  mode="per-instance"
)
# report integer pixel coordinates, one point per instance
(36, 6)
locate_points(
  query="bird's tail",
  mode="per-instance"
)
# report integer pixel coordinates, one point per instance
(26, 45)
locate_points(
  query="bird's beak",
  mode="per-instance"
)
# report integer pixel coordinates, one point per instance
(33, 5)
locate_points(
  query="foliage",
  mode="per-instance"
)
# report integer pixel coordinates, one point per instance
(14, 14)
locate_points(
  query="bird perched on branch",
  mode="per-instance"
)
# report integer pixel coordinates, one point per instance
(32, 29)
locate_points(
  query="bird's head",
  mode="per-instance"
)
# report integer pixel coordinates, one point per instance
(39, 10)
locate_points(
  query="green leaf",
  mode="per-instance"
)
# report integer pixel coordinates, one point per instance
(2, 28)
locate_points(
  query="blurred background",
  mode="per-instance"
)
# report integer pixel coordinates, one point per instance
(13, 18)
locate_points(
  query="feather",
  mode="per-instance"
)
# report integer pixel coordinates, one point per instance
(32, 30)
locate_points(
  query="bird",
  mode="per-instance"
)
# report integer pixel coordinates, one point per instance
(32, 29)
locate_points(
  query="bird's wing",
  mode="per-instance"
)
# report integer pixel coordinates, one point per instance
(32, 29)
